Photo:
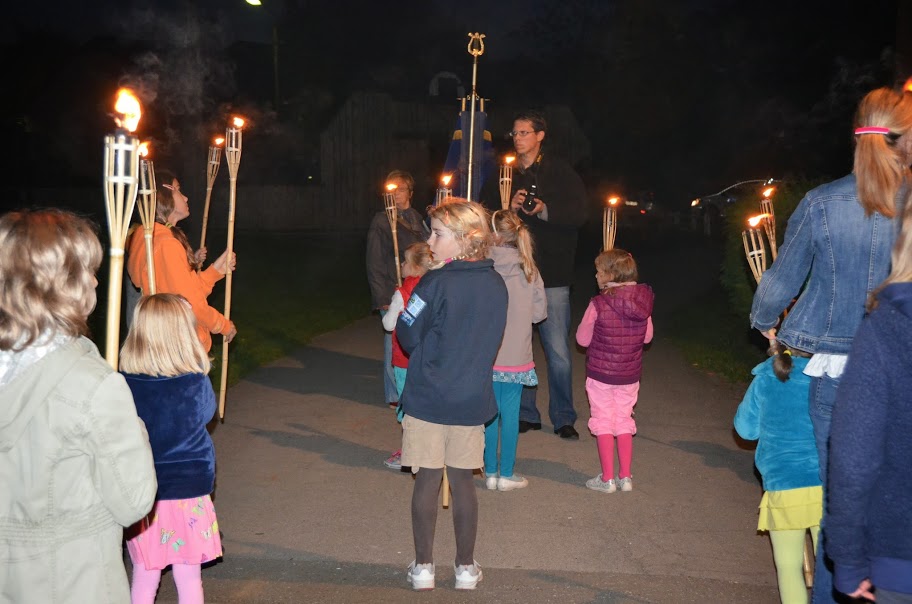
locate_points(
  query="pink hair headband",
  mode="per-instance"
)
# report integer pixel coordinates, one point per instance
(872, 130)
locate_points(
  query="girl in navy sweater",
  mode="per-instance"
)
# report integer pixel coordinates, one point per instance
(451, 329)
(617, 323)
(774, 412)
(166, 368)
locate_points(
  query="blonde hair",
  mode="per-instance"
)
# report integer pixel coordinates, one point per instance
(511, 231)
(419, 255)
(901, 271)
(469, 222)
(162, 341)
(618, 264)
(48, 261)
(879, 166)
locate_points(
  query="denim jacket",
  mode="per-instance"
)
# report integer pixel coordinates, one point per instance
(839, 255)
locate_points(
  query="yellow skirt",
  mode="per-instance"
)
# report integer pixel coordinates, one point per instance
(791, 509)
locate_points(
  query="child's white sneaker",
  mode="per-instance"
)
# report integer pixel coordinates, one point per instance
(626, 484)
(605, 486)
(421, 576)
(491, 482)
(510, 483)
(467, 575)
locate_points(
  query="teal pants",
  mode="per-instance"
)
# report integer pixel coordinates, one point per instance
(504, 426)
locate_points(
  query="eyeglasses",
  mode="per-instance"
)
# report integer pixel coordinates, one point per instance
(522, 133)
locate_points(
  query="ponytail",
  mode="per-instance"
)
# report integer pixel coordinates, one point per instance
(782, 359)
(510, 230)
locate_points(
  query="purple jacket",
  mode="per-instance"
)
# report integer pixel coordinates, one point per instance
(615, 355)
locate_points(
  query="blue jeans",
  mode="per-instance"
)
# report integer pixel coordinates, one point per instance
(822, 399)
(505, 425)
(554, 333)
(389, 378)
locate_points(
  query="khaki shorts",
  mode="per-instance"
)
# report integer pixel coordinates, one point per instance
(427, 445)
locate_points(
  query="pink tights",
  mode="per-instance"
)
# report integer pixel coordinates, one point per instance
(606, 454)
(187, 578)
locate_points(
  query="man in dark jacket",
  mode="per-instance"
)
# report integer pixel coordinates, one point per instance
(381, 263)
(550, 198)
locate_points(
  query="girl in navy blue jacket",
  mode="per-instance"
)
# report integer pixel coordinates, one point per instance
(774, 412)
(451, 329)
(166, 368)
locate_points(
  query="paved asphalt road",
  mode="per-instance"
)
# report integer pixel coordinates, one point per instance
(310, 514)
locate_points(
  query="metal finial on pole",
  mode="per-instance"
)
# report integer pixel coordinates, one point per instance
(476, 49)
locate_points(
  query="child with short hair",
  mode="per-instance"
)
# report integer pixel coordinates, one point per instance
(451, 328)
(615, 327)
(166, 367)
(418, 261)
(774, 412)
(514, 367)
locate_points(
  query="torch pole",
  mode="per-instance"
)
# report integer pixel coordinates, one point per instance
(609, 228)
(392, 214)
(476, 49)
(212, 168)
(121, 163)
(233, 144)
(146, 205)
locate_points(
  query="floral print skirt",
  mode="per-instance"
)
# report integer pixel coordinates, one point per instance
(176, 531)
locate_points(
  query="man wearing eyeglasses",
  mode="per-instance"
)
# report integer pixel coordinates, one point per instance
(549, 196)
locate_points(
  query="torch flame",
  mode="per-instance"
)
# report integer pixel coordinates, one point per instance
(446, 179)
(767, 192)
(218, 141)
(391, 186)
(613, 201)
(753, 221)
(509, 160)
(907, 87)
(238, 122)
(128, 108)
(144, 149)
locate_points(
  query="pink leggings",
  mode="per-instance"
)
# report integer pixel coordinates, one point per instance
(187, 578)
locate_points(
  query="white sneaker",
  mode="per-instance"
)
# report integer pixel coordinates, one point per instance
(491, 482)
(467, 575)
(421, 576)
(626, 484)
(510, 483)
(605, 486)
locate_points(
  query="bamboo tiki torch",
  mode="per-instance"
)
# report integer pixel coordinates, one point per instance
(766, 207)
(392, 213)
(121, 164)
(443, 192)
(212, 168)
(754, 248)
(146, 205)
(506, 181)
(233, 144)
(609, 223)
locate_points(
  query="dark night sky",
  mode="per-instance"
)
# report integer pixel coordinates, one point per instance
(676, 97)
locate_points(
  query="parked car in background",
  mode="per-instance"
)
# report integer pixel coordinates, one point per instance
(708, 212)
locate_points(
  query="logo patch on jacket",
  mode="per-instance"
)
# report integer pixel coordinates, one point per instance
(414, 308)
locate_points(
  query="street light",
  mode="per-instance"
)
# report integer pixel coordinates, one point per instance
(275, 52)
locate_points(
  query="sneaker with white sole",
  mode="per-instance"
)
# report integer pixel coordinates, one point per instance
(467, 575)
(394, 461)
(421, 576)
(605, 486)
(625, 484)
(510, 483)
(491, 482)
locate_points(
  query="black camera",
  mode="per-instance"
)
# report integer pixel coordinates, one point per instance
(529, 203)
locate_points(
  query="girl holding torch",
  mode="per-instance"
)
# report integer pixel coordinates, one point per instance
(176, 264)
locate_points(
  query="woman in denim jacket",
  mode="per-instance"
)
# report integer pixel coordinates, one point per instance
(837, 246)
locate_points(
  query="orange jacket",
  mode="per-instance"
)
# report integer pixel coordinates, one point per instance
(173, 275)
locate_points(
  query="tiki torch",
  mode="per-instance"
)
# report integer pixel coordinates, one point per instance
(212, 168)
(754, 249)
(146, 205)
(609, 223)
(444, 191)
(392, 213)
(506, 181)
(766, 207)
(121, 164)
(234, 140)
